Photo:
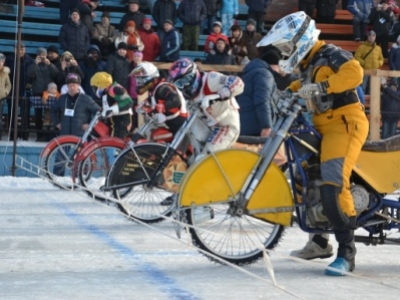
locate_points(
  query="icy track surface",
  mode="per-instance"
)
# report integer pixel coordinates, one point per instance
(58, 244)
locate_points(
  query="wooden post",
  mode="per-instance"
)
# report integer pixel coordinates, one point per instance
(375, 107)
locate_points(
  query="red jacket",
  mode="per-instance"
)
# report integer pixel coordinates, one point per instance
(152, 44)
(212, 40)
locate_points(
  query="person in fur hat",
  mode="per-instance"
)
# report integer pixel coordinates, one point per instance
(5, 87)
(238, 45)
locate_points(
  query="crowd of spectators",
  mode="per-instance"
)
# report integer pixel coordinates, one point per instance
(88, 48)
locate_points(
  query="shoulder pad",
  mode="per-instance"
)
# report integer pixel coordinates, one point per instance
(336, 56)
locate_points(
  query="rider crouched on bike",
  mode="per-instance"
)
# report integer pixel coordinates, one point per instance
(116, 102)
(216, 92)
(165, 101)
(329, 78)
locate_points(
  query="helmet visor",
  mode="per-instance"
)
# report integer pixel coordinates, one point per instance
(286, 48)
(181, 83)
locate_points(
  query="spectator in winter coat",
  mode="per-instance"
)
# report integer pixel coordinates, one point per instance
(40, 74)
(220, 54)
(214, 36)
(170, 43)
(66, 7)
(257, 100)
(308, 7)
(118, 65)
(53, 56)
(68, 65)
(370, 57)
(131, 37)
(5, 87)
(213, 8)
(103, 35)
(23, 103)
(87, 9)
(192, 13)
(381, 19)
(90, 66)
(164, 10)
(257, 10)
(360, 10)
(394, 31)
(326, 11)
(229, 12)
(251, 39)
(74, 36)
(238, 45)
(134, 14)
(151, 41)
(394, 56)
(72, 113)
(390, 109)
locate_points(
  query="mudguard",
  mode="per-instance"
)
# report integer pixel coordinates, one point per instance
(91, 146)
(58, 141)
(381, 170)
(205, 182)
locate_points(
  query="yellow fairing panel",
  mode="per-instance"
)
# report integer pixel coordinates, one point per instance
(380, 169)
(220, 178)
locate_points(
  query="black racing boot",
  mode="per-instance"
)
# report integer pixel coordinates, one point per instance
(345, 260)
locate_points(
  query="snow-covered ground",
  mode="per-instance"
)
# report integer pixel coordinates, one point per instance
(58, 244)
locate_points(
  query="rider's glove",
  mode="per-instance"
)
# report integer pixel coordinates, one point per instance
(312, 89)
(159, 118)
(209, 99)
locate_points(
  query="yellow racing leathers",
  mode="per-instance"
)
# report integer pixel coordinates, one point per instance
(339, 117)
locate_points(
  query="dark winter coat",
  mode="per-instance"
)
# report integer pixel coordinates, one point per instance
(326, 8)
(376, 17)
(119, 68)
(213, 6)
(25, 62)
(136, 17)
(163, 10)
(192, 12)
(170, 46)
(74, 38)
(89, 68)
(62, 74)
(256, 103)
(85, 10)
(390, 106)
(40, 75)
(394, 32)
(394, 57)
(258, 5)
(84, 108)
(218, 58)
(250, 40)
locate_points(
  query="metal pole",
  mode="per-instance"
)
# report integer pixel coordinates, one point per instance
(20, 13)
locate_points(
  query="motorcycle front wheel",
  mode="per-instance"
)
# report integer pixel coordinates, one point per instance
(135, 167)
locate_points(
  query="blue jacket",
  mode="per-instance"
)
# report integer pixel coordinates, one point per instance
(230, 7)
(256, 110)
(360, 9)
(394, 57)
(258, 5)
(170, 46)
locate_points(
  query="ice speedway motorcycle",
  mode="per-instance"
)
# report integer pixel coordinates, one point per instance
(144, 175)
(236, 201)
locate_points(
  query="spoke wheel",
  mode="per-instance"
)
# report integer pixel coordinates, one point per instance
(136, 166)
(235, 239)
(93, 170)
(58, 165)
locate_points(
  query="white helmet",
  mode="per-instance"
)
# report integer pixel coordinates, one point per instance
(146, 75)
(294, 35)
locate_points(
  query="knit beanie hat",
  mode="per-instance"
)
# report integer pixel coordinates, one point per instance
(41, 51)
(122, 45)
(130, 24)
(52, 48)
(271, 57)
